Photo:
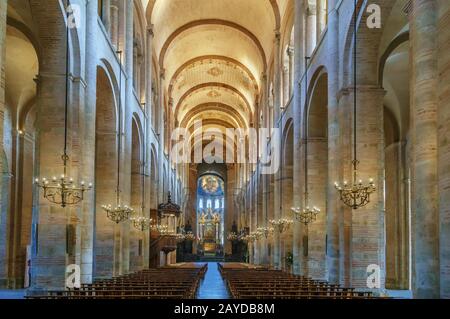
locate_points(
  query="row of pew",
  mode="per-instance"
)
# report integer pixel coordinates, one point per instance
(260, 283)
(158, 283)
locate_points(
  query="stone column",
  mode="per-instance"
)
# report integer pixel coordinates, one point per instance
(321, 16)
(106, 15)
(127, 129)
(368, 235)
(87, 225)
(50, 220)
(149, 78)
(310, 33)
(299, 60)
(290, 53)
(277, 78)
(3, 232)
(333, 145)
(160, 130)
(114, 26)
(424, 103)
(444, 144)
(286, 85)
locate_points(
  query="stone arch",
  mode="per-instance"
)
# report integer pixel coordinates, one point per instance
(196, 23)
(106, 160)
(317, 136)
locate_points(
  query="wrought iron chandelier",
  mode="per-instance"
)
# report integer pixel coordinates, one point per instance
(64, 191)
(265, 231)
(281, 225)
(141, 223)
(119, 212)
(357, 194)
(306, 215)
(232, 236)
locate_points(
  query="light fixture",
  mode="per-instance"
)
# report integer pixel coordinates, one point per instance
(281, 225)
(232, 236)
(141, 223)
(306, 215)
(119, 212)
(189, 236)
(357, 194)
(63, 190)
(265, 231)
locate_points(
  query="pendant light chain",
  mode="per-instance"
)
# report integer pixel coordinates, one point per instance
(357, 194)
(63, 191)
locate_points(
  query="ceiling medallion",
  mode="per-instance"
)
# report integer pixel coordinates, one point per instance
(215, 71)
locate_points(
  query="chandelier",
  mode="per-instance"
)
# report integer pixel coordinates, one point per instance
(118, 212)
(162, 229)
(232, 236)
(265, 231)
(358, 194)
(141, 223)
(306, 215)
(282, 224)
(64, 191)
(250, 238)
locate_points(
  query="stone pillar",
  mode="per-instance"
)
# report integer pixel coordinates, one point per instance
(149, 78)
(127, 129)
(286, 85)
(299, 60)
(333, 145)
(106, 15)
(424, 103)
(3, 232)
(310, 32)
(50, 220)
(444, 144)
(290, 53)
(160, 130)
(277, 78)
(321, 16)
(114, 26)
(368, 239)
(87, 225)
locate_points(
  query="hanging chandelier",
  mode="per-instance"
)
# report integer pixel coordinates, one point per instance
(281, 225)
(357, 194)
(141, 223)
(64, 191)
(118, 213)
(265, 231)
(306, 215)
(232, 236)
(189, 236)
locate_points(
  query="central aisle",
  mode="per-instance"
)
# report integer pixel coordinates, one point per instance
(213, 286)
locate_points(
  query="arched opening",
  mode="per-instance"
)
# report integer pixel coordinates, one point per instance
(317, 175)
(210, 214)
(18, 158)
(107, 239)
(287, 194)
(397, 190)
(136, 235)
